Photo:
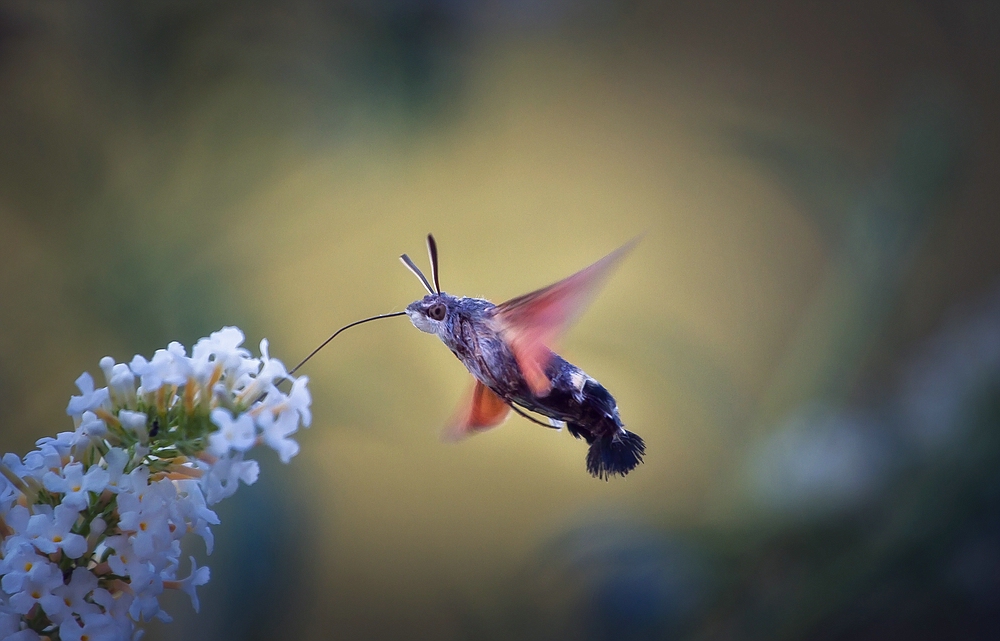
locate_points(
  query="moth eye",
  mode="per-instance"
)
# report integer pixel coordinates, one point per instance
(437, 311)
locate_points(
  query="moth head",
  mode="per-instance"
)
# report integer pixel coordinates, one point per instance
(430, 313)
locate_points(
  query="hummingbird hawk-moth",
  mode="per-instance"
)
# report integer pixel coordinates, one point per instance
(508, 350)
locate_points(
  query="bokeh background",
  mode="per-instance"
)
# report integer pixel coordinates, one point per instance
(808, 336)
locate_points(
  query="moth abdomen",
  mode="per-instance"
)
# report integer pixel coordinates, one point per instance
(591, 414)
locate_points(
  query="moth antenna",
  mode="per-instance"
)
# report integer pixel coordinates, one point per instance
(432, 251)
(348, 326)
(416, 272)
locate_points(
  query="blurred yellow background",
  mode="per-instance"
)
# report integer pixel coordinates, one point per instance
(816, 185)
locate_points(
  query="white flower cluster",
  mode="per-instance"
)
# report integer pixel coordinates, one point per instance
(91, 521)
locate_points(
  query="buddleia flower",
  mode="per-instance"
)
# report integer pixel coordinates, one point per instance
(91, 520)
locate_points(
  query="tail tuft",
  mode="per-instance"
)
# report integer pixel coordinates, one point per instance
(615, 454)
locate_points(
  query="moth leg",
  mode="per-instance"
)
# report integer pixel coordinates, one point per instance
(532, 418)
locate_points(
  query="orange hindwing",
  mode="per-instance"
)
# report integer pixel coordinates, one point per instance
(482, 410)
